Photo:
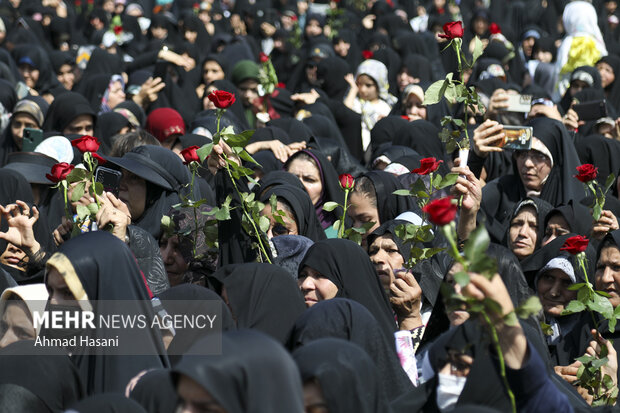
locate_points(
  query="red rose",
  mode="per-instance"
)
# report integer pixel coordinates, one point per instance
(222, 99)
(281, 85)
(441, 211)
(263, 57)
(405, 117)
(118, 30)
(59, 172)
(367, 54)
(196, 6)
(294, 18)
(575, 245)
(587, 172)
(494, 28)
(86, 144)
(427, 165)
(346, 181)
(452, 30)
(190, 155)
(100, 160)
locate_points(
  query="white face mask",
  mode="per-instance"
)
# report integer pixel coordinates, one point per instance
(448, 391)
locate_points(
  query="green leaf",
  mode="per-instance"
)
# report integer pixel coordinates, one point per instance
(98, 188)
(448, 180)
(434, 92)
(204, 151)
(401, 192)
(330, 206)
(78, 191)
(247, 157)
(530, 307)
(82, 211)
(477, 244)
(437, 181)
(223, 213)
(575, 287)
(609, 182)
(602, 306)
(264, 224)
(336, 225)
(461, 278)
(597, 210)
(93, 208)
(240, 139)
(478, 49)
(77, 174)
(574, 307)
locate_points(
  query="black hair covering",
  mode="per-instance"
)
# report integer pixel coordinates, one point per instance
(107, 270)
(331, 72)
(36, 56)
(49, 374)
(389, 205)
(349, 320)
(64, 109)
(261, 296)
(567, 99)
(601, 152)
(93, 89)
(308, 223)
(500, 195)
(107, 403)
(134, 108)
(418, 66)
(342, 369)
(541, 207)
(386, 130)
(577, 217)
(274, 178)
(165, 170)
(331, 186)
(296, 130)
(612, 91)
(15, 398)
(254, 374)
(423, 137)
(108, 125)
(347, 265)
(195, 297)
(270, 133)
(155, 392)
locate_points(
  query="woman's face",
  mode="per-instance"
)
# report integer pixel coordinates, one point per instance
(289, 225)
(19, 121)
(367, 88)
(543, 56)
(361, 210)
(12, 256)
(414, 108)
(342, 48)
(556, 227)
(607, 74)
(159, 32)
(58, 290)
(534, 167)
(30, 74)
(553, 291)
(173, 259)
(16, 323)
(523, 232)
(386, 257)
(309, 175)
(116, 95)
(481, 25)
(313, 398)
(313, 28)
(132, 191)
(212, 71)
(404, 79)
(195, 399)
(66, 76)
(315, 287)
(80, 125)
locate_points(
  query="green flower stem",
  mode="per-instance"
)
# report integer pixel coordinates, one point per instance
(67, 212)
(89, 161)
(500, 357)
(581, 258)
(456, 43)
(448, 232)
(344, 213)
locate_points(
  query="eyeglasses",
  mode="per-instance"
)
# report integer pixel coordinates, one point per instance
(534, 155)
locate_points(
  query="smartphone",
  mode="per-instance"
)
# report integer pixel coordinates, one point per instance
(519, 103)
(110, 178)
(161, 70)
(32, 138)
(593, 110)
(518, 138)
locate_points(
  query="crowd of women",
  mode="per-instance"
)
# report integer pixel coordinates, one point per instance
(311, 322)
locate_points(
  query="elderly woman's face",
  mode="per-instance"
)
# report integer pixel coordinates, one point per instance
(385, 255)
(523, 232)
(16, 324)
(315, 286)
(310, 177)
(556, 227)
(553, 291)
(173, 258)
(132, 191)
(534, 167)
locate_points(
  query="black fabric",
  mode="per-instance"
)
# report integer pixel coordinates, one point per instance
(170, 177)
(386, 131)
(36, 57)
(277, 178)
(253, 374)
(308, 224)
(347, 265)
(342, 369)
(145, 249)
(64, 109)
(500, 196)
(155, 392)
(541, 207)
(612, 91)
(577, 217)
(567, 99)
(108, 125)
(423, 137)
(49, 374)
(601, 152)
(418, 66)
(349, 320)
(107, 403)
(261, 296)
(389, 205)
(107, 270)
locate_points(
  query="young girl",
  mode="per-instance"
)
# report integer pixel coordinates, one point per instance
(369, 96)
